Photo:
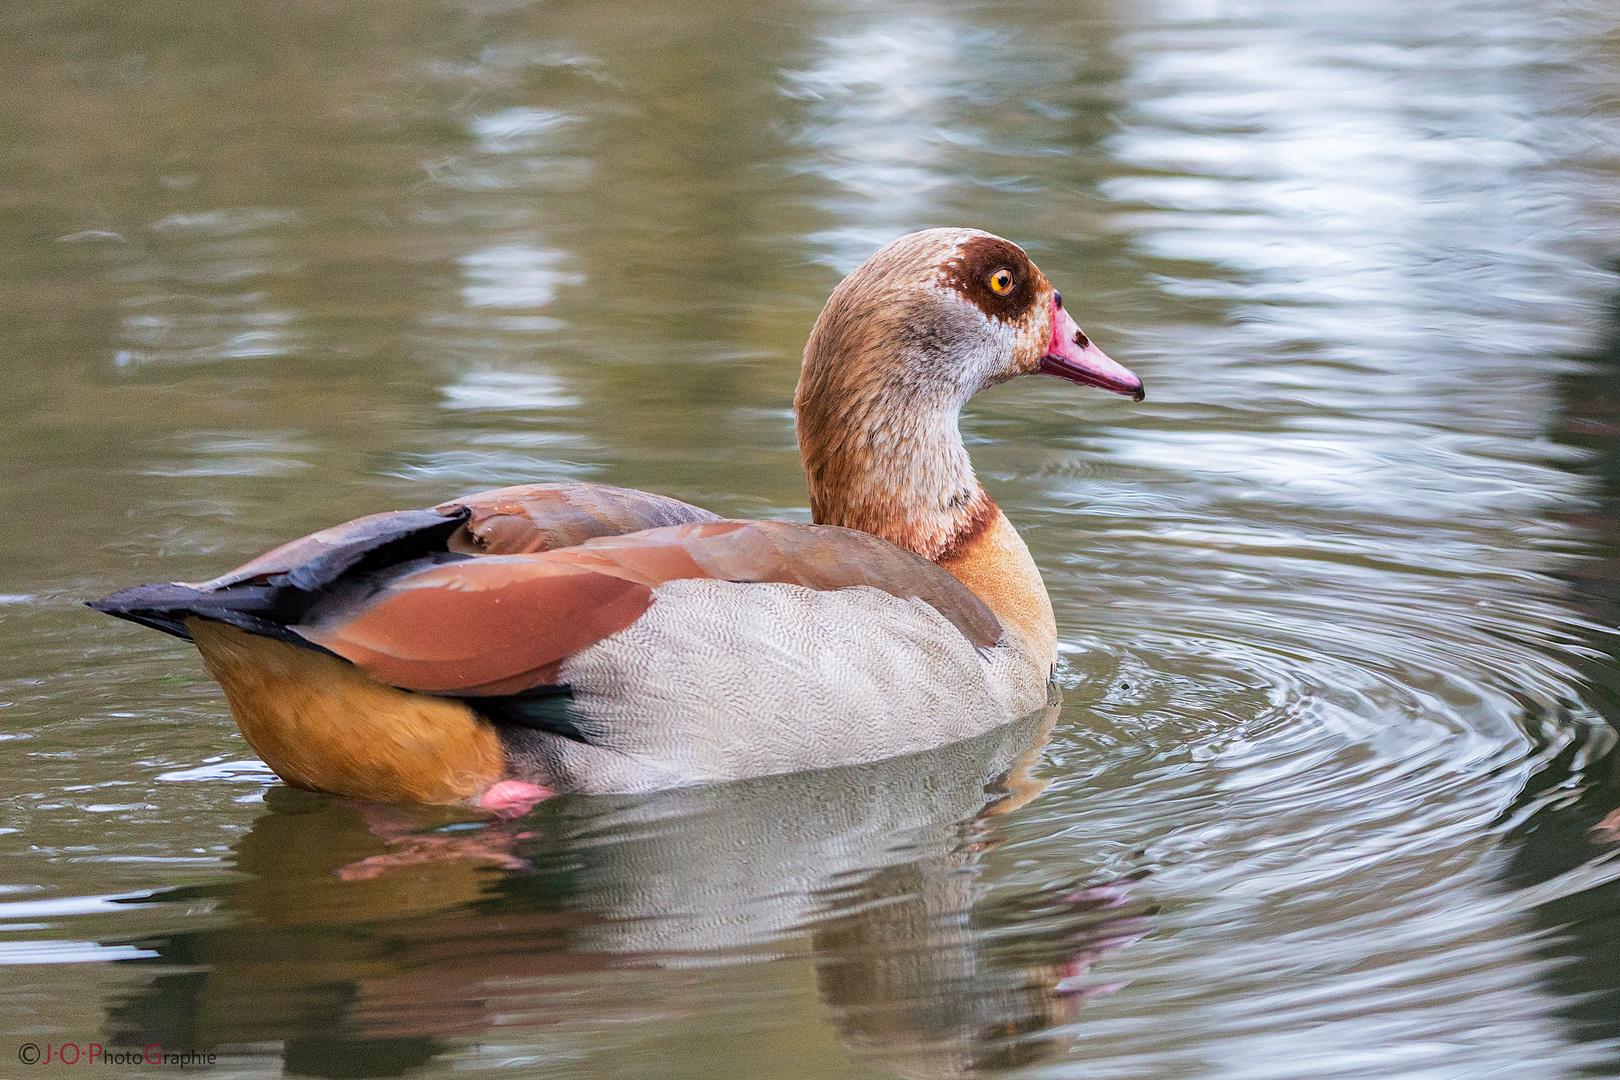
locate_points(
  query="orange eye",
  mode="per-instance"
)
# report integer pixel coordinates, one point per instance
(1001, 282)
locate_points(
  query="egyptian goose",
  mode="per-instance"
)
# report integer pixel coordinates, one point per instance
(585, 638)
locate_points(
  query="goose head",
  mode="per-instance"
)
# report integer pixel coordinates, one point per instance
(930, 320)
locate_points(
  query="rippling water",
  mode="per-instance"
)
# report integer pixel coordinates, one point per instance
(1338, 603)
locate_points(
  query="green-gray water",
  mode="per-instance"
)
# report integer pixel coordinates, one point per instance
(1337, 604)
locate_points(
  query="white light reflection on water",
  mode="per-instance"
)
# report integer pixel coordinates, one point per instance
(515, 276)
(885, 120)
(488, 336)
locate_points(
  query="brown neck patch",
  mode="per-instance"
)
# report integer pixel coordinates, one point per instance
(981, 515)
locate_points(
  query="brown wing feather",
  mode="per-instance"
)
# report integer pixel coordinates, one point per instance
(545, 517)
(496, 625)
(503, 624)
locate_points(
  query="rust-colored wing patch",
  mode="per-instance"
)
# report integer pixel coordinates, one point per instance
(489, 626)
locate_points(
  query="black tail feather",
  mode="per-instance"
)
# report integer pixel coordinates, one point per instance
(267, 604)
(258, 609)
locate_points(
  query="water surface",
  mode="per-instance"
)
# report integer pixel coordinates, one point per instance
(1337, 604)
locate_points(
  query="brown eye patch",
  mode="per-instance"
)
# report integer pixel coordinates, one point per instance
(973, 273)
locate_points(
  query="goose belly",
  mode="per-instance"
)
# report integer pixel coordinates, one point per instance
(323, 725)
(723, 680)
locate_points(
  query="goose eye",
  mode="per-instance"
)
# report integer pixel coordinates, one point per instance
(1001, 282)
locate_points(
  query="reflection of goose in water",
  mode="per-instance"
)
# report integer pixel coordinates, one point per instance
(871, 868)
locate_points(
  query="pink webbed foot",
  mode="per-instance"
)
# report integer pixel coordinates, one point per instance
(513, 798)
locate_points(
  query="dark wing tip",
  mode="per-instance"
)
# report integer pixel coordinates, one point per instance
(389, 538)
(166, 606)
(162, 606)
(269, 593)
